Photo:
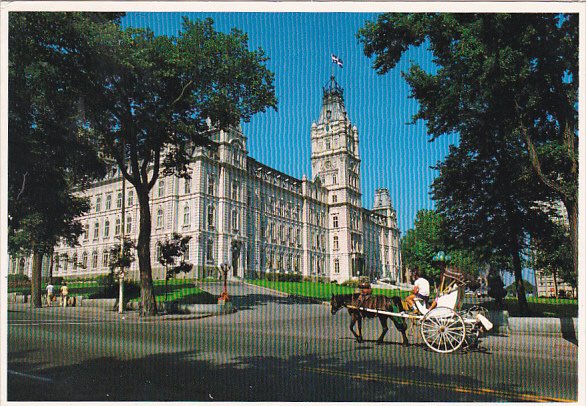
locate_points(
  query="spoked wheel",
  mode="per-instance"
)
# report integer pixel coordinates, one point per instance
(443, 330)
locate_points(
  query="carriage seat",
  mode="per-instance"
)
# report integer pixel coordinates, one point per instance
(447, 300)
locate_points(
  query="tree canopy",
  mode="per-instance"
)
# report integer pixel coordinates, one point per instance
(150, 99)
(49, 155)
(507, 84)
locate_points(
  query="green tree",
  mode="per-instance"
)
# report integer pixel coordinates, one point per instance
(48, 154)
(502, 79)
(151, 99)
(550, 253)
(427, 238)
(171, 251)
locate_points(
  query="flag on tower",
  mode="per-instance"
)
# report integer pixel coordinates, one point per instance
(337, 61)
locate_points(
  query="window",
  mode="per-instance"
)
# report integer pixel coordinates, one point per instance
(210, 251)
(235, 220)
(128, 225)
(105, 259)
(86, 231)
(335, 179)
(336, 266)
(94, 259)
(186, 252)
(282, 233)
(334, 198)
(272, 231)
(186, 215)
(65, 262)
(130, 198)
(98, 204)
(235, 190)
(161, 187)
(117, 227)
(299, 237)
(336, 243)
(187, 186)
(106, 228)
(211, 184)
(262, 230)
(108, 202)
(335, 220)
(211, 215)
(96, 230)
(56, 262)
(160, 218)
(84, 260)
(119, 200)
(74, 261)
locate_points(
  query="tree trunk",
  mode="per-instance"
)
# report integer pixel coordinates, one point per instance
(147, 294)
(517, 268)
(572, 209)
(36, 280)
(555, 283)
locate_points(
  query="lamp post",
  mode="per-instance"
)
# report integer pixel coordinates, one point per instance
(224, 298)
(122, 222)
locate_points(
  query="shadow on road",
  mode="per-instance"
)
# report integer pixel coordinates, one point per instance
(184, 376)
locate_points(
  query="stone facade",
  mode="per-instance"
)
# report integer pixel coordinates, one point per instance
(242, 212)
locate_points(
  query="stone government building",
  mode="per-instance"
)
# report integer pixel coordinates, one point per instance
(242, 212)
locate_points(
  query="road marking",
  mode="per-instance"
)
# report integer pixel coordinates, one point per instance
(38, 378)
(478, 391)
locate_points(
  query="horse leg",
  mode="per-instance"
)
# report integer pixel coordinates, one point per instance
(383, 323)
(352, 323)
(359, 329)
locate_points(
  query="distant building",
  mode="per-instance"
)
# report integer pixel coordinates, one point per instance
(544, 281)
(240, 211)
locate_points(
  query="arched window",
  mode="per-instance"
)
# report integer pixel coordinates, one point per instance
(119, 200)
(96, 230)
(336, 266)
(105, 259)
(117, 226)
(187, 186)
(186, 215)
(94, 259)
(106, 228)
(128, 224)
(161, 187)
(211, 217)
(130, 198)
(84, 260)
(74, 260)
(210, 251)
(108, 202)
(211, 184)
(336, 243)
(160, 218)
(65, 262)
(235, 220)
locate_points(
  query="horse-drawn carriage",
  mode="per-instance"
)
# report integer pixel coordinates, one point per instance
(443, 326)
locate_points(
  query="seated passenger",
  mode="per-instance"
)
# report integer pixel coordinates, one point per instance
(420, 289)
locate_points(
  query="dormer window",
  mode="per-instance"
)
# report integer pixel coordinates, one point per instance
(329, 114)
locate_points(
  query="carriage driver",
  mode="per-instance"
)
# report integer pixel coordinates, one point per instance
(365, 292)
(420, 289)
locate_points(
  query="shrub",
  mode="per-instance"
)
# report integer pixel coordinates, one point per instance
(353, 283)
(283, 277)
(109, 288)
(319, 279)
(18, 280)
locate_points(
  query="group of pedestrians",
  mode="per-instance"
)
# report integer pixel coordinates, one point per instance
(64, 290)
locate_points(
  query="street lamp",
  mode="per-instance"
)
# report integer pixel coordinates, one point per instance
(224, 298)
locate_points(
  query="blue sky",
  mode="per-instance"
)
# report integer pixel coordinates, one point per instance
(394, 154)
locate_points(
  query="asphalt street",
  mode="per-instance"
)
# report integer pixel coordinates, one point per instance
(272, 349)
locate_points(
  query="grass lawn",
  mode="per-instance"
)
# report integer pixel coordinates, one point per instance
(317, 290)
(182, 290)
(541, 307)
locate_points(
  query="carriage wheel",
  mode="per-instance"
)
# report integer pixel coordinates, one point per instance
(443, 330)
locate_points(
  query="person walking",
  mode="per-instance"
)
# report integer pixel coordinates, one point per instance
(64, 294)
(50, 293)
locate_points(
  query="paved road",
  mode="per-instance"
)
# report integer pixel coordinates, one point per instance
(272, 349)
